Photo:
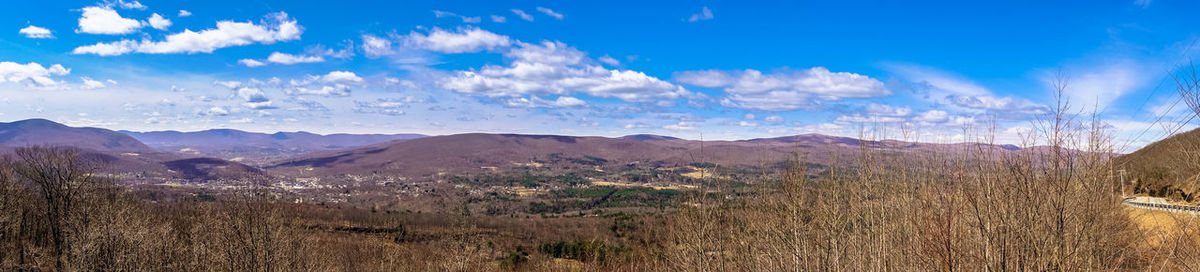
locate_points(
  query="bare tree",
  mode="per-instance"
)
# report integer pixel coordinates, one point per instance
(59, 176)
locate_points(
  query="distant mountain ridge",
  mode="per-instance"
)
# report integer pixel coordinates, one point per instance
(232, 143)
(46, 132)
(478, 153)
(186, 154)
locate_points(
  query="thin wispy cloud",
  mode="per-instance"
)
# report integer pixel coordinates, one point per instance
(704, 15)
(550, 12)
(521, 14)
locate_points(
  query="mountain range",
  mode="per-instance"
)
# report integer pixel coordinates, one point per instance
(226, 153)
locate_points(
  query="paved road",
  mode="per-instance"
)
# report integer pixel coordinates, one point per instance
(1154, 203)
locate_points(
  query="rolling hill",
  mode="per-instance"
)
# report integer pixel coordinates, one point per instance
(46, 132)
(1167, 168)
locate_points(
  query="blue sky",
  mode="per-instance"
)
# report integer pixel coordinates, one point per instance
(941, 71)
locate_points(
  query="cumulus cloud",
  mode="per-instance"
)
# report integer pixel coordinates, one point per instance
(784, 91)
(499, 19)
(374, 46)
(217, 111)
(275, 27)
(184, 13)
(550, 12)
(523, 15)
(32, 73)
(336, 83)
(254, 98)
(556, 69)
(105, 20)
(464, 40)
(287, 59)
(36, 32)
(704, 15)
(158, 22)
(251, 62)
(340, 77)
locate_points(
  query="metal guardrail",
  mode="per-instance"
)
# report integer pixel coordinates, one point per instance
(1162, 207)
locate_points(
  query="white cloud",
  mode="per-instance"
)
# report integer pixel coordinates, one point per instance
(680, 126)
(184, 13)
(774, 119)
(464, 40)
(523, 15)
(328, 90)
(228, 84)
(609, 60)
(254, 98)
(705, 14)
(32, 74)
(375, 46)
(443, 14)
(499, 19)
(341, 77)
(334, 83)
(385, 106)
(105, 20)
(945, 88)
(275, 27)
(557, 69)
(288, 59)
(129, 5)
(784, 91)
(465, 19)
(36, 32)
(252, 94)
(251, 62)
(158, 22)
(550, 12)
(90, 84)
(932, 117)
(858, 118)
(536, 102)
(886, 110)
(1006, 107)
(218, 111)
